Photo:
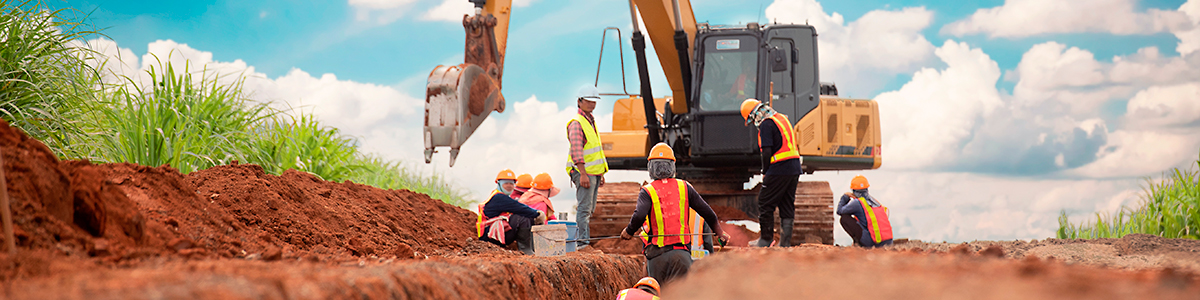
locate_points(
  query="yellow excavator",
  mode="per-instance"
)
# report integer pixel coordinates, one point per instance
(710, 69)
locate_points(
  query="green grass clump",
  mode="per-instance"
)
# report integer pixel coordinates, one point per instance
(1170, 208)
(46, 84)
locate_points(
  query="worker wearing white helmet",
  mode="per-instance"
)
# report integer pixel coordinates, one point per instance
(586, 164)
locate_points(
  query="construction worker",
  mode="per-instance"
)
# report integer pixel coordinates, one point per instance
(863, 217)
(662, 211)
(502, 220)
(586, 163)
(645, 289)
(781, 171)
(538, 196)
(523, 183)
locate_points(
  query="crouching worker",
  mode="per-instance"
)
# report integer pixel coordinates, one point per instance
(662, 209)
(539, 193)
(523, 183)
(863, 217)
(503, 220)
(645, 289)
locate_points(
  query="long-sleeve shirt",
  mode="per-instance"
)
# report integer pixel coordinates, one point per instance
(771, 139)
(501, 203)
(577, 138)
(848, 206)
(695, 202)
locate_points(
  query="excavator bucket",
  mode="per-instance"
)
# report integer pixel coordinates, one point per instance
(457, 99)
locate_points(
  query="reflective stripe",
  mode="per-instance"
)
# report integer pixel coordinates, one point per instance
(875, 233)
(593, 151)
(657, 212)
(479, 220)
(788, 149)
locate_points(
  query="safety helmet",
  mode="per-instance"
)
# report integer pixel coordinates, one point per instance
(649, 282)
(524, 181)
(661, 151)
(542, 182)
(749, 106)
(589, 93)
(859, 182)
(506, 174)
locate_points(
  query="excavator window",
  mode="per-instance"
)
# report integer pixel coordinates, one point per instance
(730, 73)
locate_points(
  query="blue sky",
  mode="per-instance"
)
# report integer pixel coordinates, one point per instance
(1040, 106)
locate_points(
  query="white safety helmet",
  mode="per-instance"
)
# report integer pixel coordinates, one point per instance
(590, 93)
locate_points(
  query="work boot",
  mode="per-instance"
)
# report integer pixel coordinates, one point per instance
(785, 232)
(525, 242)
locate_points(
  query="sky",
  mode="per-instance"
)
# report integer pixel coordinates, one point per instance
(996, 114)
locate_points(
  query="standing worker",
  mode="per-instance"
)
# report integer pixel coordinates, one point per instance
(502, 220)
(781, 171)
(662, 208)
(866, 220)
(523, 183)
(645, 289)
(586, 163)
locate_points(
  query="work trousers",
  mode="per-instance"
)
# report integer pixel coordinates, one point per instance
(778, 191)
(520, 231)
(669, 265)
(586, 204)
(850, 225)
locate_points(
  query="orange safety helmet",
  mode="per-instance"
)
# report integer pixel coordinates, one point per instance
(542, 182)
(859, 182)
(748, 107)
(524, 181)
(648, 281)
(661, 151)
(506, 174)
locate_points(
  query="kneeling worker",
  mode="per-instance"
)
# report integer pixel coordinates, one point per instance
(662, 208)
(863, 217)
(503, 220)
(645, 289)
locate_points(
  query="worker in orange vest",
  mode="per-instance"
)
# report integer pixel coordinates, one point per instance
(502, 220)
(645, 289)
(539, 193)
(662, 208)
(863, 217)
(781, 171)
(523, 183)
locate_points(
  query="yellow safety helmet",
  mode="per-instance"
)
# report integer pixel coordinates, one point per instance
(649, 282)
(748, 107)
(524, 181)
(542, 182)
(506, 174)
(859, 182)
(661, 151)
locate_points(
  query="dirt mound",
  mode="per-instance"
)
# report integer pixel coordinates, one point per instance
(725, 213)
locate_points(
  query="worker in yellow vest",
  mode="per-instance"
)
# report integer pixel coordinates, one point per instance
(502, 220)
(662, 209)
(863, 217)
(586, 164)
(781, 171)
(645, 289)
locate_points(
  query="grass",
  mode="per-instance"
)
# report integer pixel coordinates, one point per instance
(1169, 208)
(188, 119)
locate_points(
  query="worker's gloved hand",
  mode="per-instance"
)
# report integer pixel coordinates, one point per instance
(541, 218)
(625, 235)
(723, 238)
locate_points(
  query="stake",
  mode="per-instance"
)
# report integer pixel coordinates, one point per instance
(6, 213)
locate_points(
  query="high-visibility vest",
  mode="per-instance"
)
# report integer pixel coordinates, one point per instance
(593, 151)
(669, 214)
(877, 220)
(479, 230)
(788, 150)
(635, 294)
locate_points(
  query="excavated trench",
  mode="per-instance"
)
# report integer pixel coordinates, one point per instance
(124, 231)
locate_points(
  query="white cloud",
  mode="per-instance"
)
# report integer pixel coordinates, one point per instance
(866, 53)
(380, 11)
(929, 118)
(449, 10)
(1189, 40)
(1023, 18)
(1165, 106)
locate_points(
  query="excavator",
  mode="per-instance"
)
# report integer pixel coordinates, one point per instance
(710, 70)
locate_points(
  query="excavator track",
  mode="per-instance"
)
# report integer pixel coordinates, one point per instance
(616, 203)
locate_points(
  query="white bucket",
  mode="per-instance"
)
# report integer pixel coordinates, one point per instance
(549, 240)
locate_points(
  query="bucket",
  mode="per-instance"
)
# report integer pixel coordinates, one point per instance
(549, 240)
(571, 230)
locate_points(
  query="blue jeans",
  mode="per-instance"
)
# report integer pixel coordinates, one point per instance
(587, 204)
